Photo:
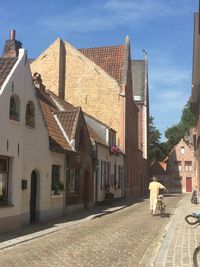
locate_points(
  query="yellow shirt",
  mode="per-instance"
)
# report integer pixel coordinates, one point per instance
(154, 189)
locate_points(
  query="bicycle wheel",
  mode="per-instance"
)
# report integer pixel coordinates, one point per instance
(195, 253)
(192, 220)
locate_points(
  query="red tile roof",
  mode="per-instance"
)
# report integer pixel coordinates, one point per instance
(67, 119)
(6, 64)
(111, 59)
(57, 140)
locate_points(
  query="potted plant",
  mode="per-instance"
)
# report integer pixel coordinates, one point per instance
(58, 187)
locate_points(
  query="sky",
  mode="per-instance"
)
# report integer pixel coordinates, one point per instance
(164, 28)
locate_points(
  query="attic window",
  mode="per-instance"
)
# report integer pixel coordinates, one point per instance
(30, 114)
(182, 150)
(14, 108)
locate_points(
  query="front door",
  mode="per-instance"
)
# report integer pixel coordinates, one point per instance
(86, 192)
(33, 195)
(188, 184)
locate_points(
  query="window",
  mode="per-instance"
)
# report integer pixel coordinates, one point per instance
(55, 176)
(112, 138)
(3, 180)
(14, 108)
(177, 165)
(73, 181)
(120, 176)
(182, 150)
(188, 166)
(30, 114)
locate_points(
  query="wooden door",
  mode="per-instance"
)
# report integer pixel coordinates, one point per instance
(33, 197)
(188, 184)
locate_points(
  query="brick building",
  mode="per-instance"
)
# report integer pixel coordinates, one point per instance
(195, 95)
(100, 81)
(178, 171)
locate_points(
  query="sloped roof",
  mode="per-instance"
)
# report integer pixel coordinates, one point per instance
(94, 135)
(110, 58)
(138, 74)
(158, 168)
(67, 119)
(57, 140)
(6, 64)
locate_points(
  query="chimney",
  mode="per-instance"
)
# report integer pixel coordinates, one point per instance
(12, 46)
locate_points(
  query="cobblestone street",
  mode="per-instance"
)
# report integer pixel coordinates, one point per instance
(117, 239)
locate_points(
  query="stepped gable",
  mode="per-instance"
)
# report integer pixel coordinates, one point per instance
(110, 58)
(6, 65)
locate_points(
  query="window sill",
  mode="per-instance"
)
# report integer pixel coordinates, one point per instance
(56, 196)
(5, 205)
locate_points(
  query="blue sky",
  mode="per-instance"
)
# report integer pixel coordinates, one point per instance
(163, 27)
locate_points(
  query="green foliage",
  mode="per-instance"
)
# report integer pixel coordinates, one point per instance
(58, 187)
(178, 131)
(159, 151)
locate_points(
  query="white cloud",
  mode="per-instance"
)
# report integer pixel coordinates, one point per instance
(106, 15)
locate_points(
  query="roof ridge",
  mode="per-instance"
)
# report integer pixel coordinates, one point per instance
(108, 46)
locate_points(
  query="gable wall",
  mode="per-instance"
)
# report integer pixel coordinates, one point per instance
(34, 153)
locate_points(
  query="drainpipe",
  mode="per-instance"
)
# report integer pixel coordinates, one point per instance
(65, 186)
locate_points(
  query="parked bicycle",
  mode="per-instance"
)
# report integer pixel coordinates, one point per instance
(195, 196)
(193, 219)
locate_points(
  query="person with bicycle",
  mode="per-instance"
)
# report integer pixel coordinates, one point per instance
(154, 188)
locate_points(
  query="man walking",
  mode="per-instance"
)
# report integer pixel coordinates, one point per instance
(154, 187)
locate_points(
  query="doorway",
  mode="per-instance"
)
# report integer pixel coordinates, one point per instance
(86, 192)
(33, 197)
(188, 184)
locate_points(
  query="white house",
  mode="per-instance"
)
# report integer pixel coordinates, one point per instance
(27, 165)
(109, 167)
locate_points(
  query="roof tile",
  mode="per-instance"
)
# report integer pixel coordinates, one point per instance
(6, 64)
(110, 59)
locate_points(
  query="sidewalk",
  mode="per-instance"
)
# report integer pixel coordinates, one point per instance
(175, 248)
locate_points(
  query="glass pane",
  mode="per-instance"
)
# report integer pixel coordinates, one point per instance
(3, 165)
(3, 186)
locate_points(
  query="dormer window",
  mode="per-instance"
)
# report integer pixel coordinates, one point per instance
(112, 138)
(30, 114)
(14, 111)
(182, 150)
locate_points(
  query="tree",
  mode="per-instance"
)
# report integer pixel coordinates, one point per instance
(174, 134)
(178, 131)
(188, 119)
(154, 140)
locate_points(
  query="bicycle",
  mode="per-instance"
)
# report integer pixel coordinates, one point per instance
(161, 205)
(193, 219)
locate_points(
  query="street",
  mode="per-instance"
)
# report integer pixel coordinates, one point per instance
(117, 239)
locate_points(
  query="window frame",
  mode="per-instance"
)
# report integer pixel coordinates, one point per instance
(76, 181)
(4, 198)
(30, 114)
(53, 178)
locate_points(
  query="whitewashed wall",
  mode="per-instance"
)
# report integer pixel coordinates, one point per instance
(34, 153)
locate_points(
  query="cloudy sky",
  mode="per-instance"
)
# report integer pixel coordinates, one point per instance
(162, 27)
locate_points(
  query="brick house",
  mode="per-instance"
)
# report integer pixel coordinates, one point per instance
(141, 98)
(100, 81)
(178, 171)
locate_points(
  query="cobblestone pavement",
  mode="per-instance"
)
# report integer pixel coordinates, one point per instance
(120, 238)
(181, 239)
